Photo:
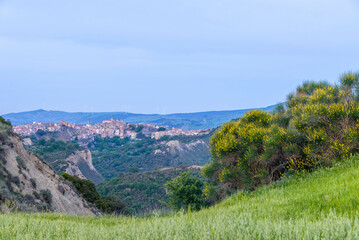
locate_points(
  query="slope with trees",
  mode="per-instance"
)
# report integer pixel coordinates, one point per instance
(144, 192)
(112, 156)
(87, 189)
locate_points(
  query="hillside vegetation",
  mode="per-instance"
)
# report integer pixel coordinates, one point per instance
(112, 156)
(87, 189)
(143, 192)
(319, 205)
(54, 152)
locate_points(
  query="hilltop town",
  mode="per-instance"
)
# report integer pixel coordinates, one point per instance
(107, 128)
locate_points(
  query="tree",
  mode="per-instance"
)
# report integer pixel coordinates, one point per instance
(134, 170)
(185, 191)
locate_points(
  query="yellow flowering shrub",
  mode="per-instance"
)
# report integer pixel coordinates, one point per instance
(319, 125)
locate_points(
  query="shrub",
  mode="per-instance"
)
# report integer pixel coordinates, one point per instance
(36, 194)
(112, 205)
(20, 163)
(14, 179)
(46, 196)
(320, 123)
(33, 183)
(28, 199)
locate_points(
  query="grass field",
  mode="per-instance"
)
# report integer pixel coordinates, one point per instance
(320, 205)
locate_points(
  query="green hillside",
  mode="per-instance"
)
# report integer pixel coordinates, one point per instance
(112, 156)
(319, 205)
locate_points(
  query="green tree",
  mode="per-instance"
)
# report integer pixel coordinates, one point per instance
(185, 191)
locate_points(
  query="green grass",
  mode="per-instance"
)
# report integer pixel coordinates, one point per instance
(320, 205)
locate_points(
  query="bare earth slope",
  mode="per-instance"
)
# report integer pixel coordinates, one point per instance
(33, 175)
(80, 165)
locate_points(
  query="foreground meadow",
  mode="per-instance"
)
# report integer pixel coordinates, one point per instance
(320, 205)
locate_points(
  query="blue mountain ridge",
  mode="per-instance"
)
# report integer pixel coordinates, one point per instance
(198, 120)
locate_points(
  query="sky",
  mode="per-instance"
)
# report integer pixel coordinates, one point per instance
(169, 56)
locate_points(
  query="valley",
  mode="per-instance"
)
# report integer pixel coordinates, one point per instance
(288, 173)
(128, 155)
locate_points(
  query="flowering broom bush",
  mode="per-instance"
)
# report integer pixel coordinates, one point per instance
(317, 126)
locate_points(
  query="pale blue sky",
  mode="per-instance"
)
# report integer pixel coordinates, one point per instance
(169, 56)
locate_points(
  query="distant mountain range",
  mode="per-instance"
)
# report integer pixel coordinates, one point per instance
(199, 120)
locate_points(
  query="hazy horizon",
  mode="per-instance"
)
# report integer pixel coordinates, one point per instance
(161, 57)
(52, 110)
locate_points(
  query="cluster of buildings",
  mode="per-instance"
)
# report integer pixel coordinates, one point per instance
(107, 128)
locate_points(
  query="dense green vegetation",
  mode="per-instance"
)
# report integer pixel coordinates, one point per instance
(54, 152)
(87, 189)
(318, 127)
(185, 192)
(112, 156)
(143, 192)
(319, 205)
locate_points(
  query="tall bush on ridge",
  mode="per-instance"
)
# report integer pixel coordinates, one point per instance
(319, 125)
